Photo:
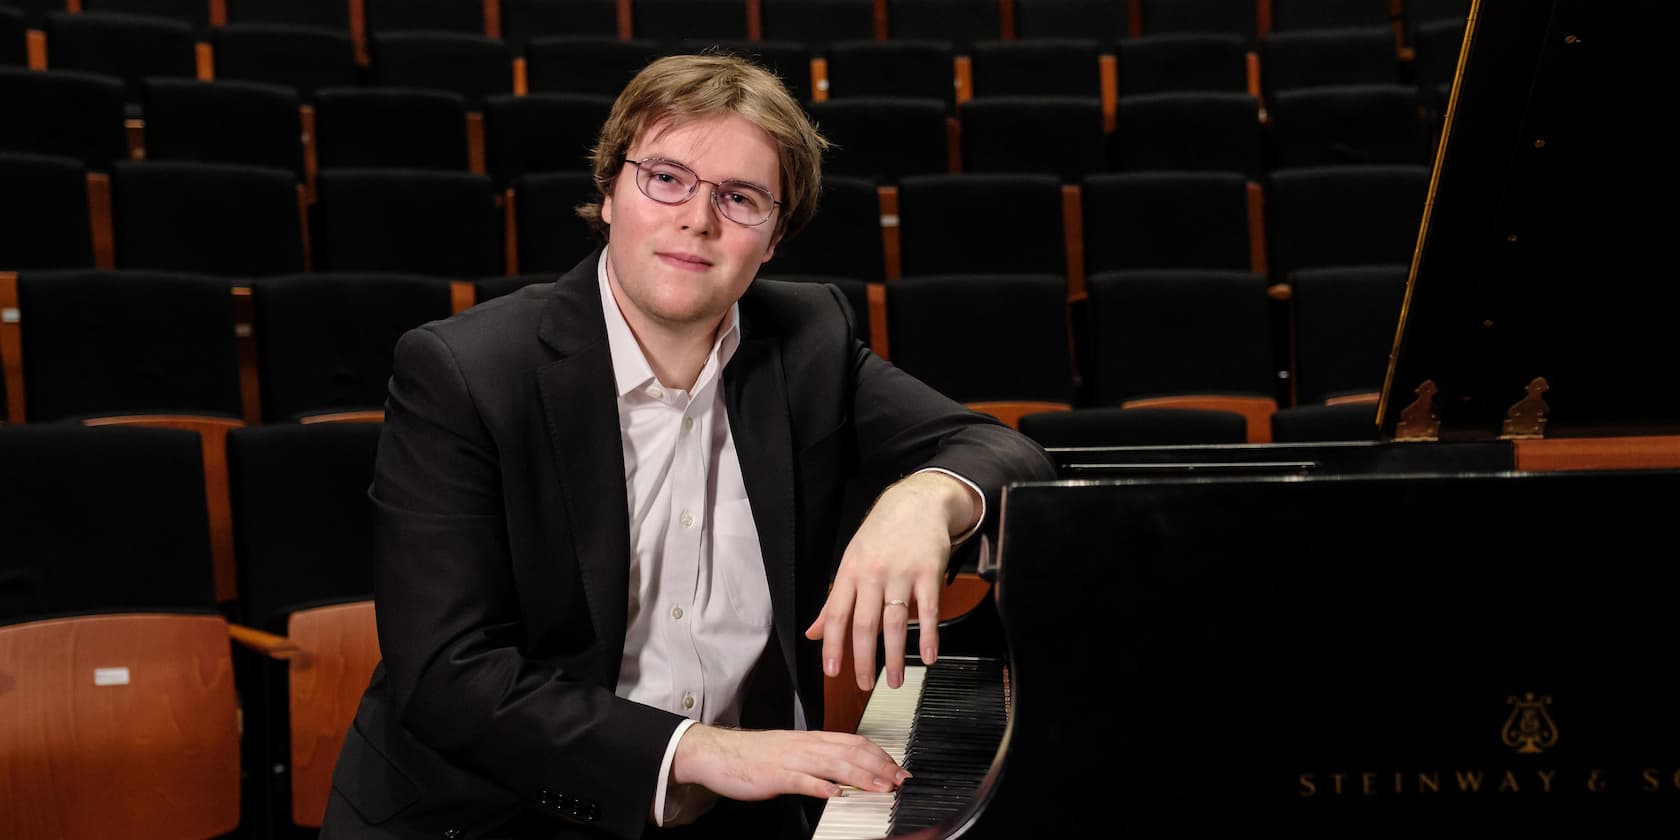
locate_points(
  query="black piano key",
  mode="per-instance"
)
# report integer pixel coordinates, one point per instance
(959, 722)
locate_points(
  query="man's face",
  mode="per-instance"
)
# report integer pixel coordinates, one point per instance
(680, 267)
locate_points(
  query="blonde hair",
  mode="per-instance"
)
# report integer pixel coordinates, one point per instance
(681, 88)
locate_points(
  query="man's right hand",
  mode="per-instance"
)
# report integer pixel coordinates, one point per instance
(755, 765)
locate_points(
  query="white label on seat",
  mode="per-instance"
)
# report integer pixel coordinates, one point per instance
(10, 315)
(110, 676)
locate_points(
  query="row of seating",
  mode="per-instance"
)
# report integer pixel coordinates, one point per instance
(890, 138)
(1295, 219)
(791, 20)
(109, 344)
(253, 221)
(476, 68)
(80, 115)
(1009, 344)
(86, 344)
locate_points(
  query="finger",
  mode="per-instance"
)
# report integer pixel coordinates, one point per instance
(927, 603)
(815, 631)
(833, 618)
(870, 755)
(845, 740)
(813, 786)
(862, 765)
(895, 625)
(862, 778)
(849, 740)
(866, 623)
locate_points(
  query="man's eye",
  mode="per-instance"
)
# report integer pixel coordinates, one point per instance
(665, 177)
(738, 198)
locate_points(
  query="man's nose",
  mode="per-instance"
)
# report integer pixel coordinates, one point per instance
(700, 212)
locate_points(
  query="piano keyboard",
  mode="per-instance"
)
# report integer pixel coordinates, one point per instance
(886, 721)
(943, 725)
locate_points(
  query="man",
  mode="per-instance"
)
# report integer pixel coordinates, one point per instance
(561, 660)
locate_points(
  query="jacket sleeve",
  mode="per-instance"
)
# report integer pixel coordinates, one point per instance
(450, 626)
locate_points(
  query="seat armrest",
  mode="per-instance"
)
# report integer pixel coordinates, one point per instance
(265, 643)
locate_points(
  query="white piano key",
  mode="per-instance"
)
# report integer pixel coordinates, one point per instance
(887, 720)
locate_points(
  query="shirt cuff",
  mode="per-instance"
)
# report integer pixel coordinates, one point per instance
(979, 520)
(667, 799)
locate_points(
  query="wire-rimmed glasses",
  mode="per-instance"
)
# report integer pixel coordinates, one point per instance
(669, 182)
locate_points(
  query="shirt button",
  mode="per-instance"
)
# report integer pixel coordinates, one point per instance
(688, 701)
(686, 520)
(688, 423)
(655, 391)
(676, 613)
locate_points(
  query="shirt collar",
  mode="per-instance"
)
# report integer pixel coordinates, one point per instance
(630, 365)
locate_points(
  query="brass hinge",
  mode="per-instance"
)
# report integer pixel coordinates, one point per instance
(1420, 421)
(1526, 419)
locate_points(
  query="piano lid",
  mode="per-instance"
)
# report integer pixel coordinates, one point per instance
(1547, 250)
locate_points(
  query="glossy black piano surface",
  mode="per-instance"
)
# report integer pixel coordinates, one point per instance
(1342, 655)
(977, 633)
(1277, 459)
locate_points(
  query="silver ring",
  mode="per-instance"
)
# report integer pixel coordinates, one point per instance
(898, 602)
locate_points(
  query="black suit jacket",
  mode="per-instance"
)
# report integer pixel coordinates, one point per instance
(501, 574)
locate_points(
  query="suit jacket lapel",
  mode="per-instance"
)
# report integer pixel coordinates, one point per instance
(581, 408)
(755, 393)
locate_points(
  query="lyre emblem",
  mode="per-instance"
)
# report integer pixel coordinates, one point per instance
(1530, 730)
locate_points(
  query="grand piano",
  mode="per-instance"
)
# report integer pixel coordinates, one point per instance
(1465, 624)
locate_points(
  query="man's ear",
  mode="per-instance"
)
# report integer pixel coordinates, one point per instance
(606, 208)
(771, 250)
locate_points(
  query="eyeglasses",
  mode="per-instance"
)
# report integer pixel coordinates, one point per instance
(669, 182)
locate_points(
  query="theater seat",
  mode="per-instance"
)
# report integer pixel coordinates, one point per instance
(118, 714)
(305, 544)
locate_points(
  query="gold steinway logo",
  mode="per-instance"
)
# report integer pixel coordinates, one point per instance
(1529, 730)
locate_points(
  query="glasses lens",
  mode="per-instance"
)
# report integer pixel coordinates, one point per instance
(666, 182)
(743, 203)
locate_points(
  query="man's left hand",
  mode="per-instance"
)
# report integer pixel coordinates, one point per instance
(894, 563)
